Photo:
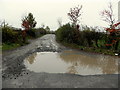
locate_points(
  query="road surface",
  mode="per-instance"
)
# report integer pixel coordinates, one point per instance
(15, 75)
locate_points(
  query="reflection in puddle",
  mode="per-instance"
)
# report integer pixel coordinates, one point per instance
(74, 62)
(31, 58)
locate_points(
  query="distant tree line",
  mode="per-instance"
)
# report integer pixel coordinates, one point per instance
(13, 35)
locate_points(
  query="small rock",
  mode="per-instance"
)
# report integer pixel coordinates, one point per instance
(117, 54)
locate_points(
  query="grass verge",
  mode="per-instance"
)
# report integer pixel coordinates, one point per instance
(9, 46)
(88, 49)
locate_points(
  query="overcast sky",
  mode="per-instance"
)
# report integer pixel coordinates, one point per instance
(47, 12)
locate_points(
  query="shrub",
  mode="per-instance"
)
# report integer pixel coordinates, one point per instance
(42, 31)
(36, 32)
(88, 37)
(65, 33)
(10, 36)
(31, 33)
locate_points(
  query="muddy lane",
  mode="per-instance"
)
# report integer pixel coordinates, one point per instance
(46, 64)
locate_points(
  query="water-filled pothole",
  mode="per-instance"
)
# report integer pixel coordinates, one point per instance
(71, 61)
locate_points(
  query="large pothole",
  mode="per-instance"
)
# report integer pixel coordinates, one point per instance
(71, 61)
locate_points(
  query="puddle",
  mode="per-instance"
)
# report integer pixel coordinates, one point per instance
(73, 62)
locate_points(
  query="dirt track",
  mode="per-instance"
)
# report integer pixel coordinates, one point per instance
(15, 74)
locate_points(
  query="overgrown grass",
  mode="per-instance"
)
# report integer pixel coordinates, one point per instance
(10, 46)
(0, 47)
(88, 49)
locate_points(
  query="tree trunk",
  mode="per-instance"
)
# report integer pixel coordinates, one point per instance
(116, 45)
(96, 42)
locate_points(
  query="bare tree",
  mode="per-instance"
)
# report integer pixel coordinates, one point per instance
(59, 22)
(3, 23)
(74, 14)
(108, 15)
(42, 25)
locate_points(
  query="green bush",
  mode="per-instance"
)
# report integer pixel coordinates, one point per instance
(36, 32)
(10, 36)
(68, 34)
(87, 37)
(65, 33)
(42, 31)
(31, 33)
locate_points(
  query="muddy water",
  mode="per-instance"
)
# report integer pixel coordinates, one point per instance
(72, 61)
